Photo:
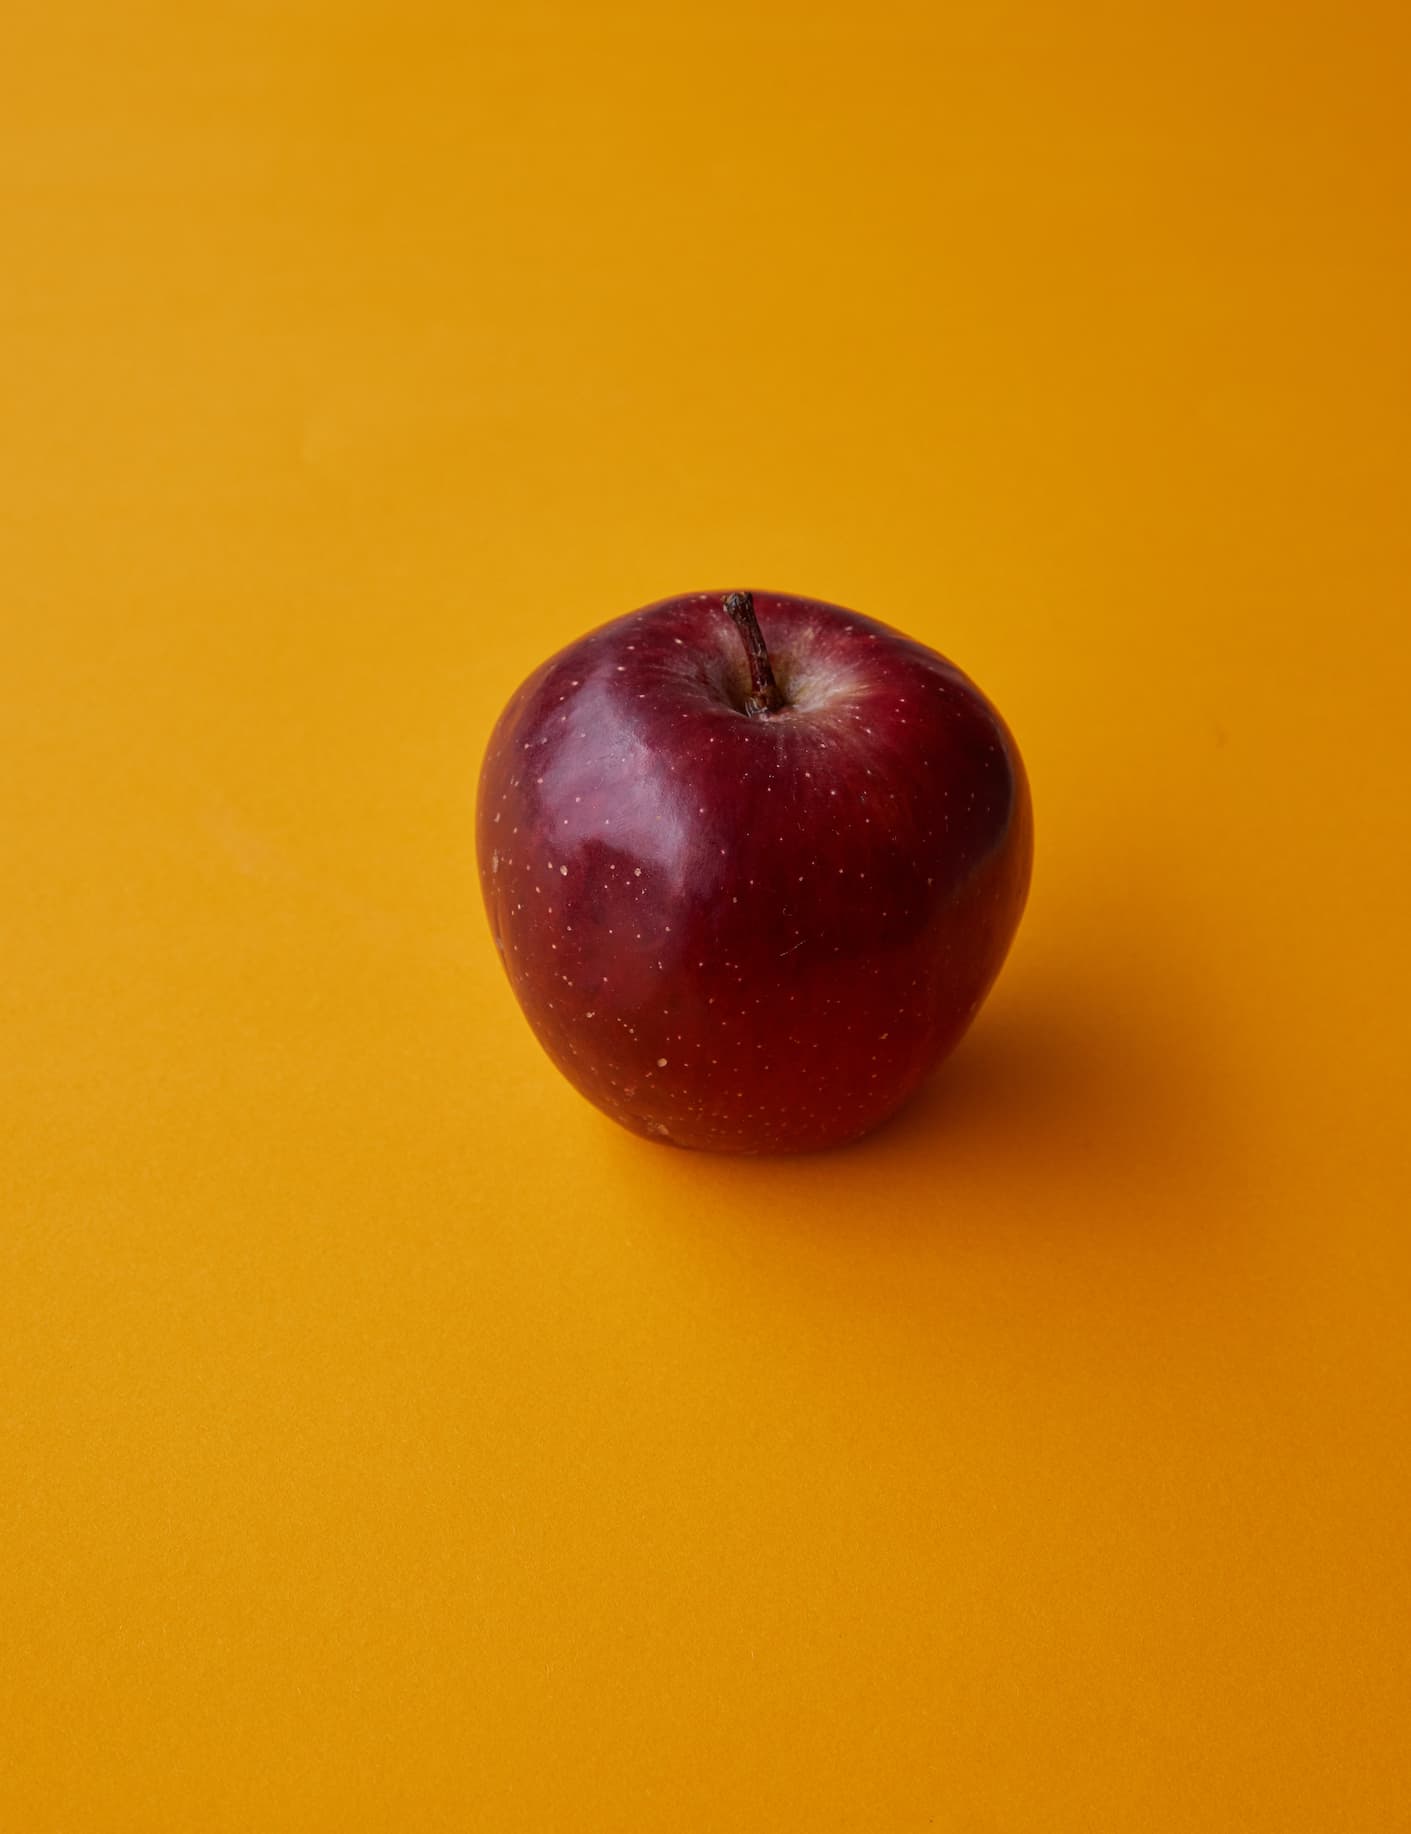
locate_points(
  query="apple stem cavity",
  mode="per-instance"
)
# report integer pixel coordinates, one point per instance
(765, 695)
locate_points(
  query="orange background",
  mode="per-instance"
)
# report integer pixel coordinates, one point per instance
(388, 1441)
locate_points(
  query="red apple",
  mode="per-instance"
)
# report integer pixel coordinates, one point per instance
(751, 876)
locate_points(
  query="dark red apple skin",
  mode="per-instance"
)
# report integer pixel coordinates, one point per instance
(751, 934)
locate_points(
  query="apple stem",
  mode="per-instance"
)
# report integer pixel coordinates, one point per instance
(765, 695)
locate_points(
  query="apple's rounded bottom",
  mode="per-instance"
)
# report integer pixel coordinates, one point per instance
(775, 1145)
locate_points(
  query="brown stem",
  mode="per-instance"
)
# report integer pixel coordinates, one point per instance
(764, 695)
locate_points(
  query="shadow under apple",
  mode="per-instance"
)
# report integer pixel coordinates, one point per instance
(1092, 1092)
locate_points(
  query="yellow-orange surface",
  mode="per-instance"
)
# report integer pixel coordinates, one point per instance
(386, 1442)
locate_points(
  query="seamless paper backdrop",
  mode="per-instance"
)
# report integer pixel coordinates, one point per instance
(386, 1442)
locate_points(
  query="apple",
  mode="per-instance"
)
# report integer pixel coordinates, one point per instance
(751, 862)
